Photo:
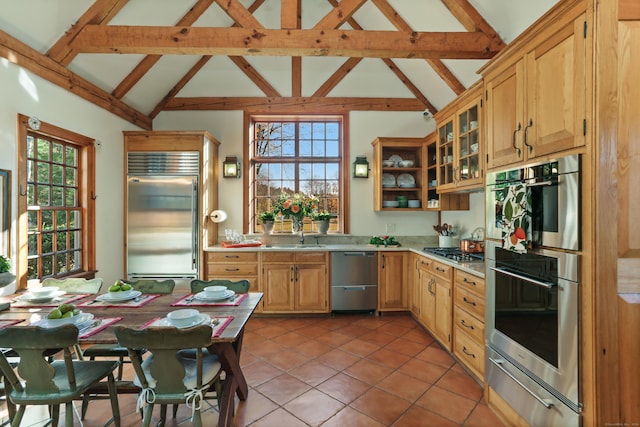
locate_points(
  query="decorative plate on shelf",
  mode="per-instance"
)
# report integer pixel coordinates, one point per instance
(406, 180)
(395, 158)
(388, 180)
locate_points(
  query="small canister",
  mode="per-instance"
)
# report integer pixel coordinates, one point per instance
(403, 201)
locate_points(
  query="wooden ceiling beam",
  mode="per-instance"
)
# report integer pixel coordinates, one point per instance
(181, 84)
(339, 14)
(290, 13)
(292, 42)
(100, 12)
(294, 104)
(150, 60)
(31, 60)
(337, 77)
(438, 66)
(409, 84)
(240, 14)
(472, 20)
(255, 77)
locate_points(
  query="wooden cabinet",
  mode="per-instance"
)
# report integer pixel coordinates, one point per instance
(536, 94)
(459, 159)
(413, 278)
(434, 280)
(417, 183)
(392, 273)
(469, 315)
(235, 265)
(295, 282)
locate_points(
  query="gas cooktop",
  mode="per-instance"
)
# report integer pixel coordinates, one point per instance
(455, 254)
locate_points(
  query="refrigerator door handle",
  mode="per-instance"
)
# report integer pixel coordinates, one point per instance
(194, 234)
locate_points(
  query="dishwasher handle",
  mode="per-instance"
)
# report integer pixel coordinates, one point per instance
(358, 253)
(353, 288)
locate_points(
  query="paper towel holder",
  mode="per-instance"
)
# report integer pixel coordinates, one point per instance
(218, 216)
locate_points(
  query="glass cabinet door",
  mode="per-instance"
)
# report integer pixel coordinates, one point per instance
(468, 155)
(445, 154)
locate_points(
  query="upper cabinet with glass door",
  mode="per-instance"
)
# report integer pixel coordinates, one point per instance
(459, 158)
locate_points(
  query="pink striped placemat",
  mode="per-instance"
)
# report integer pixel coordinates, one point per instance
(223, 322)
(97, 326)
(191, 301)
(9, 322)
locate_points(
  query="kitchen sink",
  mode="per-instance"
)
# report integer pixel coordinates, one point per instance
(294, 246)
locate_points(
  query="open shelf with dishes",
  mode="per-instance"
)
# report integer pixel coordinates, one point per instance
(399, 174)
(405, 173)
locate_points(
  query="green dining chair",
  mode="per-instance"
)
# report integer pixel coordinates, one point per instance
(115, 351)
(37, 381)
(239, 286)
(169, 375)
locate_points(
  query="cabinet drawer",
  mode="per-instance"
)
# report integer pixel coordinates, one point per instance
(232, 269)
(277, 257)
(442, 270)
(226, 257)
(469, 352)
(470, 302)
(424, 263)
(470, 282)
(463, 321)
(317, 257)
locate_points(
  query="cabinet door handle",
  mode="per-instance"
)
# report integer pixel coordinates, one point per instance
(468, 301)
(530, 124)
(464, 350)
(292, 275)
(513, 141)
(466, 325)
(297, 273)
(442, 270)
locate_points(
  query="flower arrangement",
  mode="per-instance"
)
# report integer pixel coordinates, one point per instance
(384, 240)
(295, 206)
(322, 216)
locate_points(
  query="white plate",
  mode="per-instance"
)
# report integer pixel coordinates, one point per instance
(109, 298)
(388, 180)
(395, 158)
(30, 298)
(203, 297)
(202, 319)
(80, 320)
(406, 180)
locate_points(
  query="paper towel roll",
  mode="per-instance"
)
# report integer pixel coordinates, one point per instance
(218, 216)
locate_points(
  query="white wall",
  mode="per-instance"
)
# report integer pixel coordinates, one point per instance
(25, 93)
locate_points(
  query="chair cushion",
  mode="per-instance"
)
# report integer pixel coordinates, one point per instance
(210, 368)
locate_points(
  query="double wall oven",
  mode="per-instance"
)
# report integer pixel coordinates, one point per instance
(533, 298)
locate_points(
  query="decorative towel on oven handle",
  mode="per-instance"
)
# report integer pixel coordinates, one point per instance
(516, 218)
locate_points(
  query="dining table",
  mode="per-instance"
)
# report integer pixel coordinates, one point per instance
(228, 319)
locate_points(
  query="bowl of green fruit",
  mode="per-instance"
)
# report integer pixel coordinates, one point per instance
(120, 291)
(66, 314)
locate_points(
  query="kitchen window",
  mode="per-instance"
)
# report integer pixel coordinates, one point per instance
(298, 155)
(56, 169)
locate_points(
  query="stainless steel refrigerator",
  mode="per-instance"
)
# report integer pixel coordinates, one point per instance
(162, 217)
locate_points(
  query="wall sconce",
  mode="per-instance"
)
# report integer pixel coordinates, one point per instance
(361, 167)
(231, 167)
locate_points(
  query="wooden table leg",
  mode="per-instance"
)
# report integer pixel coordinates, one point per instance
(234, 382)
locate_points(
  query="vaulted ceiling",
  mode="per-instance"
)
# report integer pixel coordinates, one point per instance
(141, 57)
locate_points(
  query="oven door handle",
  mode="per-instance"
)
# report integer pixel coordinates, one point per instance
(541, 184)
(547, 285)
(542, 401)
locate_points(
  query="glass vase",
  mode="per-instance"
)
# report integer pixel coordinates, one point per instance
(296, 225)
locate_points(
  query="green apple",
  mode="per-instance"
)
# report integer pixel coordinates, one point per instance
(67, 314)
(64, 308)
(115, 288)
(54, 314)
(125, 287)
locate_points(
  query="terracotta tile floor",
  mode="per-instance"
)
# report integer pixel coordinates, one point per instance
(344, 370)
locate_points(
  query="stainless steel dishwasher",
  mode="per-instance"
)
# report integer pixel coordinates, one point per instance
(354, 281)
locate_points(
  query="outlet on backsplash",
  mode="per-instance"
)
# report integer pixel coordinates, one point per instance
(390, 228)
